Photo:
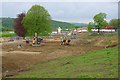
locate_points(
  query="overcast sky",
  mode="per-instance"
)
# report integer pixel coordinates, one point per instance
(82, 12)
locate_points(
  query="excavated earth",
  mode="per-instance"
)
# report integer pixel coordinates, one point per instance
(15, 60)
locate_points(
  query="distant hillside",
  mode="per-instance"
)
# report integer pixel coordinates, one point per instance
(9, 22)
(63, 25)
(80, 24)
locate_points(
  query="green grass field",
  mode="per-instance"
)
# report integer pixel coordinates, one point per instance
(7, 34)
(97, 64)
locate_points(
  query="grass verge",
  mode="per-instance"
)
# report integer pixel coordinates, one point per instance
(7, 34)
(97, 64)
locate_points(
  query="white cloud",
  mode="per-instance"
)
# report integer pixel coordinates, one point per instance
(65, 11)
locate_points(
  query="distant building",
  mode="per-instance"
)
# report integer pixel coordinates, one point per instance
(54, 32)
(83, 29)
(106, 29)
(110, 27)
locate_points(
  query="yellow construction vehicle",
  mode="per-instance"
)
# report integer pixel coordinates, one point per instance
(36, 41)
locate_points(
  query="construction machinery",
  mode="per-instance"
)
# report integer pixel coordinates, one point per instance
(36, 41)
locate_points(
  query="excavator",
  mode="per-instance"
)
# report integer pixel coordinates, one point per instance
(68, 38)
(36, 41)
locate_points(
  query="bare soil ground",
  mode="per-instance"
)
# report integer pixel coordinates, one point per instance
(15, 60)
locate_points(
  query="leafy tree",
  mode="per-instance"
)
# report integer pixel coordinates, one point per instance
(114, 23)
(99, 21)
(37, 20)
(90, 26)
(104, 24)
(18, 26)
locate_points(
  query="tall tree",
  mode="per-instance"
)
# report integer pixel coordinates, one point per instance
(37, 20)
(114, 23)
(99, 21)
(18, 26)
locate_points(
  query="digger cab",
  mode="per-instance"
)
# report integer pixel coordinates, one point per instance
(65, 41)
(39, 40)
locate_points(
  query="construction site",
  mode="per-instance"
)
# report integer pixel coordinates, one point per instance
(16, 60)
